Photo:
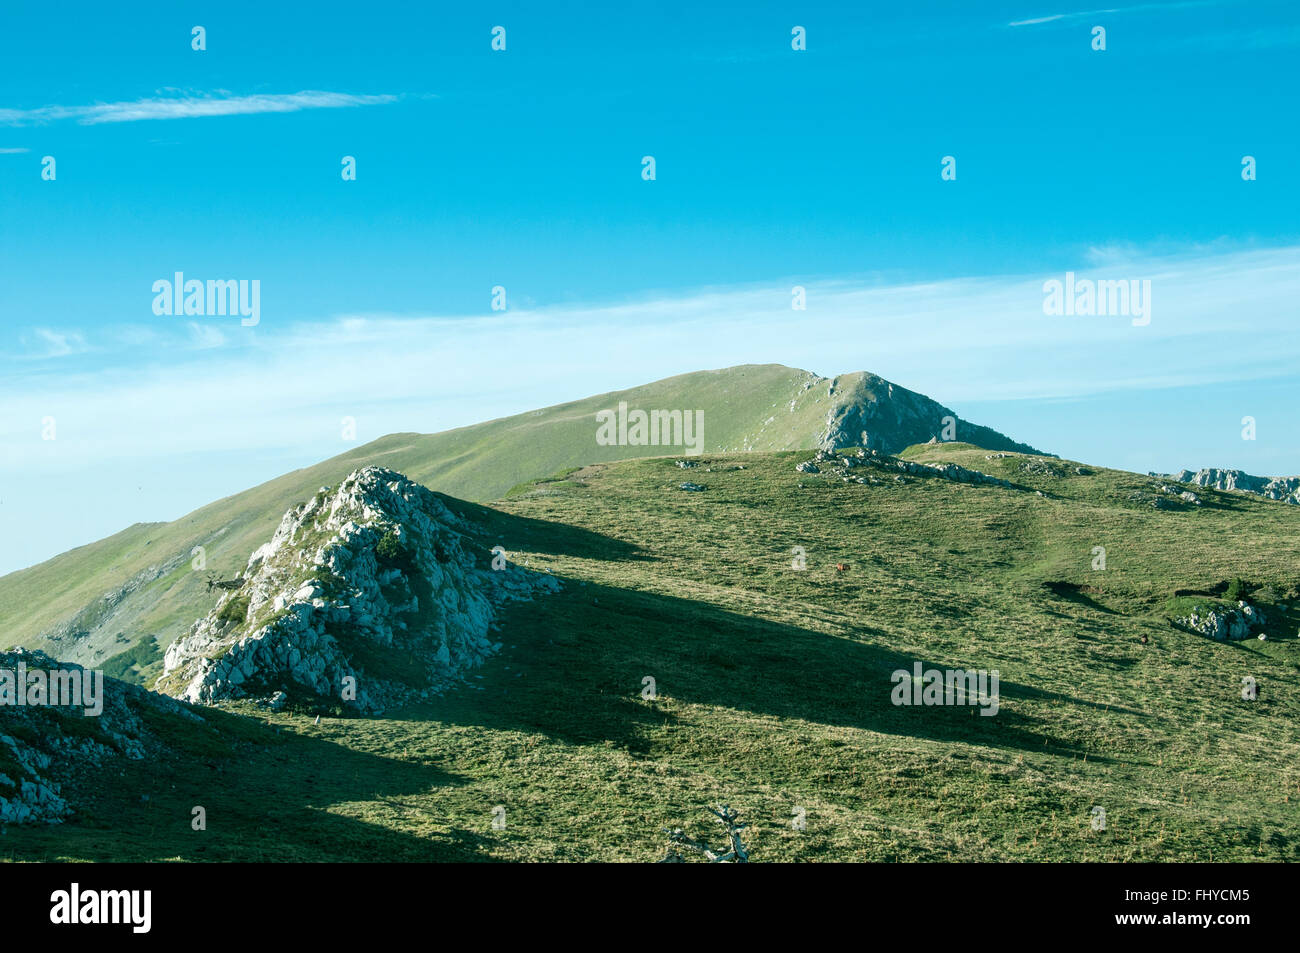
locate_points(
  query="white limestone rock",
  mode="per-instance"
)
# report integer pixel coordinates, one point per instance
(380, 565)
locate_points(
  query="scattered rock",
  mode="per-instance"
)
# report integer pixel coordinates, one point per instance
(1040, 467)
(840, 465)
(692, 487)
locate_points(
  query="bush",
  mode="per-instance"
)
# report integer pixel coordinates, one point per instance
(331, 583)
(235, 610)
(1237, 590)
(392, 551)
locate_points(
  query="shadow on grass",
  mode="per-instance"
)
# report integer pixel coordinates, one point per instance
(268, 799)
(492, 527)
(1077, 594)
(580, 657)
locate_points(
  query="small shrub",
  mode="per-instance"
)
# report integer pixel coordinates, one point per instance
(391, 551)
(235, 610)
(1237, 590)
(332, 584)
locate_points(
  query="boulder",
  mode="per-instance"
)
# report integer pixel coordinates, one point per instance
(1223, 624)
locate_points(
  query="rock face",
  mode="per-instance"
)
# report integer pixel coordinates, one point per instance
(1223, 624)
(43, 746)
(366, 596)
(871, 412)
(1286, 489)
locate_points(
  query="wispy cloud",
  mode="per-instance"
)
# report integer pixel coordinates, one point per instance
(13, 152)
(1137, 8)
(57, 343)
(192, 107)
(1053, 17)
(956, 340)
(205, 336)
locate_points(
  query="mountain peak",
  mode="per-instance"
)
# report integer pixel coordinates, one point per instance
(871, 412)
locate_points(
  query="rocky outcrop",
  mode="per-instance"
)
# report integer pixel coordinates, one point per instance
(366, 596)
(870, 412)
(1286, 489)
(44, 746)
(1223, 623)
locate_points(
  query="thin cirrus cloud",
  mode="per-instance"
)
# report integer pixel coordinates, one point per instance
(192, 107)
(49, 343)
(1137, 8)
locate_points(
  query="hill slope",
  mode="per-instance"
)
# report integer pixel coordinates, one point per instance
(118, 602)
(773, 684)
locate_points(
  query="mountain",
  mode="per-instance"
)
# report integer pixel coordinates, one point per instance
(119, 602)
(742, 643)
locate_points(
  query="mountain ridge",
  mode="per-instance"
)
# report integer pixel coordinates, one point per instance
(118, 601)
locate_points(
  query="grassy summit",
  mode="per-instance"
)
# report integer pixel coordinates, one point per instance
(773, 685)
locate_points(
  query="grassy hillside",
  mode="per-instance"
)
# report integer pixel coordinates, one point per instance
(774, 686)
(119, 602)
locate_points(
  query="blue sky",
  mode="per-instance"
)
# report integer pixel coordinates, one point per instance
(522, 168)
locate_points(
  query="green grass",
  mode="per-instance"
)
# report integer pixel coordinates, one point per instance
(235, 610)
(138, 663)
(773, 687)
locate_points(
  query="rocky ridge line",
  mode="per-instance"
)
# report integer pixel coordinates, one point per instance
(1286, 489)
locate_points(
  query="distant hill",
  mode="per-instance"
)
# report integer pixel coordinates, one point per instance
(117, 602)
